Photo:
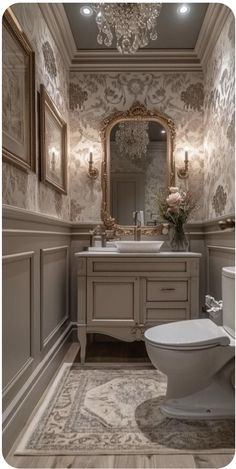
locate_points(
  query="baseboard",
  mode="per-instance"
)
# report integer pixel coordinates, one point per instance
(18, 412)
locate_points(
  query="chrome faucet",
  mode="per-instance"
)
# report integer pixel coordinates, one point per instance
(137, 226)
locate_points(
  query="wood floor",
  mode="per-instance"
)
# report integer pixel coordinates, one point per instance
(118, 352)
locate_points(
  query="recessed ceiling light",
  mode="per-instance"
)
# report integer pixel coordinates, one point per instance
(183, 10)
(86, 11)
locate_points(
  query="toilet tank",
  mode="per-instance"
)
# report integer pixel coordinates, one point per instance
(228, 297)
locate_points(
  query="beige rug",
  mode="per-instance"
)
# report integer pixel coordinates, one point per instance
(115, 409)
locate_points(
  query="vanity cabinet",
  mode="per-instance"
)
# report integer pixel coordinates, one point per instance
(121, 295)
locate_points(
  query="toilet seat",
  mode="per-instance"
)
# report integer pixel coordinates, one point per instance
(187, 335)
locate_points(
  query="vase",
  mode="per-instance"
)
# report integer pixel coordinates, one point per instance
(178, 239)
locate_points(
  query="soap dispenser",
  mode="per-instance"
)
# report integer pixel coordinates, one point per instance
(98, 237)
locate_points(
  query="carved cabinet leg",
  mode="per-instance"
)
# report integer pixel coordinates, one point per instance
(82, 337)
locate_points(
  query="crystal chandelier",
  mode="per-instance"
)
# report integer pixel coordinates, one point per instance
(132, 140)
(132, 24)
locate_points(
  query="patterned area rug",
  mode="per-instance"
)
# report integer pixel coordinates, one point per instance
(115, 409)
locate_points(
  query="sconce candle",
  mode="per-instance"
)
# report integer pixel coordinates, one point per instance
(92, 172)
(183, 172)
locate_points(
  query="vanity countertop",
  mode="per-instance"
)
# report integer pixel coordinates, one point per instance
(137, 254)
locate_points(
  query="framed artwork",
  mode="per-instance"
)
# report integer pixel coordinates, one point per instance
(18, 95)
(53, 144)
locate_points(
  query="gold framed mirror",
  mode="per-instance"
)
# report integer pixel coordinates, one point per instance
(138, 162)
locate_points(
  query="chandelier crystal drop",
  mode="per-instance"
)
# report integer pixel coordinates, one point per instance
(132, 140)
(132, 24)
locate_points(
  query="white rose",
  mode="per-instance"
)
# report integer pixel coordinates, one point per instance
(174, 199)
(173, 190)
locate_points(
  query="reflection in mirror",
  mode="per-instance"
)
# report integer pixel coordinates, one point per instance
(138, 170)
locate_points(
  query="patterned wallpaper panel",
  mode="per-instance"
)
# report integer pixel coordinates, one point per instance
(92, 97)
(21, 189)
(202, 109)
(219, 125)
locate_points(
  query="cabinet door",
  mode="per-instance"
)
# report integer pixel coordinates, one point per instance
(112, 301)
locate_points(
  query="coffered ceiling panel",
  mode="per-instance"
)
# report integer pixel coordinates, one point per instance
(175, 31)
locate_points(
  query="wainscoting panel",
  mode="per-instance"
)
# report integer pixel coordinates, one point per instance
(18, 302)
(54, 282)
(219, 253)
(36, 323)
(39, 270)
(217, 258)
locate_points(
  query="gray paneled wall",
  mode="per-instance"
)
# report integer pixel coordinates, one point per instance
(40, 299)
(54, 284)
(18, 303)
(220, 252)
(36, 320)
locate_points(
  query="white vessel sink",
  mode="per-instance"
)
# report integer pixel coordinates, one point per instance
(139, 246)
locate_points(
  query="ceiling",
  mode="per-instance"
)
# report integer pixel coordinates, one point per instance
(174, 31)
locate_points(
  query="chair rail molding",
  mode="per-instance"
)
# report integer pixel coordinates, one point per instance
(11, 212)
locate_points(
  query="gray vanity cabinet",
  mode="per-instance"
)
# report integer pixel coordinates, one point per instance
(121, 295)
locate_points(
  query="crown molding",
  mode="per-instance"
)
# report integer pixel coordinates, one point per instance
(58, 24)
(176, 60)
(144, 60)
(213, 23)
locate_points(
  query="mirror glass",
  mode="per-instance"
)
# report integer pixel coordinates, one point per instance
(138, 170)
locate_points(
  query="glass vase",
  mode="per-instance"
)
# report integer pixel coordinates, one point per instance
(178, 239)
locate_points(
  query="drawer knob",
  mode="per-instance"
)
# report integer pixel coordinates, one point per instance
(168, 289)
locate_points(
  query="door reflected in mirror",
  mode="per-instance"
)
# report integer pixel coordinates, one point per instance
(138, 170)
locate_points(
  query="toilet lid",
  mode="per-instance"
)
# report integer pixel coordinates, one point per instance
(189, 333)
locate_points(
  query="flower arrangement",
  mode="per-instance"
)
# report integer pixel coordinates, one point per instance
(175, 208)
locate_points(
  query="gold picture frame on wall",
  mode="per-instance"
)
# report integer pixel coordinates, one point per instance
(18, 95)
(53, 144)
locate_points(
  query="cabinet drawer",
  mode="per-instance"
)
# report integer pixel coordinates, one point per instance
(126, 267)
(166, 290)
(162, 315)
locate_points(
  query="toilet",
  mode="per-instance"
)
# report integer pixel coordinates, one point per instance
(198, 358)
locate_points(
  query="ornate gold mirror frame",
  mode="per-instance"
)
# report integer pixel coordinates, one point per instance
(137, 112)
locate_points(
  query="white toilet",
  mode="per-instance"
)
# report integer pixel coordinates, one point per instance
(198, 358)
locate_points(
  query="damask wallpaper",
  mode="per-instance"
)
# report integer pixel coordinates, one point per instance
(19, 188)
(92, 97)
(201, 105)
(219, 125)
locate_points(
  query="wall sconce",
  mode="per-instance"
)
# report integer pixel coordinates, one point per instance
(183, 172)
(92, 171)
